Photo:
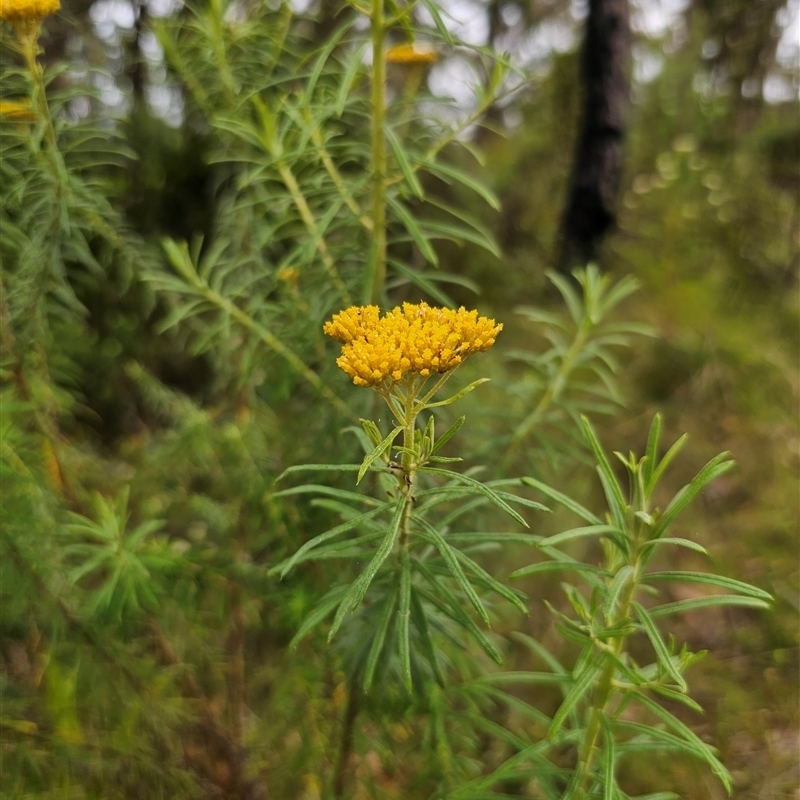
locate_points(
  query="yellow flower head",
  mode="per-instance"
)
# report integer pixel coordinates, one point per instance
(22, 10)
(408, 54)
(415, 339)
(17, 110)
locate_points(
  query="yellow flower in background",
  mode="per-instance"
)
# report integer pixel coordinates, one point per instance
(23, 10)
(415, 339)
(408, 54)
(17, 110)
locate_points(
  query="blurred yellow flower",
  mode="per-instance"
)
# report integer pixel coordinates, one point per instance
(20, 10)
(415, 339)
(408, 54)
(17, 110)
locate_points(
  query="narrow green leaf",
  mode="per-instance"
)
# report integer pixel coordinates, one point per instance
(479, 488)
(616, 500)
(420, 621)
(423, 281)
(581, 533)
(708, 602)
(492, 583)
(356, 61)
(522, 677)
(552, 566)
(687, 543)
(318, 468)
(355, 594)
(413, 228)
(659, 469)
(440, 169)
(569, 294)
(377, 452)
(454, 611)
(380, 556)
(451, 560)
(403, 162)
(380, 637)
(716, 467)
(458, 395)
(663, 655)
(318, 614)
(444, 31)
(542, 652)
(323, 58)
(711, 580)
(621, 580)
(436, 229)
(701, 750)
(565, 501)
(323, 537)
(579, 688)
(652, 450)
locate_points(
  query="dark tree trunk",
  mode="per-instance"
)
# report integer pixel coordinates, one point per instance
(589, 213)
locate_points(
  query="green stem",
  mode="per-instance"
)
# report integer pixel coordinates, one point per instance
(376, 276)
(605, 685)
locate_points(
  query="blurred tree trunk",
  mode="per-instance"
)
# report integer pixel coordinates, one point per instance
(590, 210)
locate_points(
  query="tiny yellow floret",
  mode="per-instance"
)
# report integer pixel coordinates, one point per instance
(415, 339)
(21, 10)
(408, 54)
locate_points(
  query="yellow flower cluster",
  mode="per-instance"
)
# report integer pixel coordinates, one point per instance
(21, 10)
(408, 54)
(381, 351)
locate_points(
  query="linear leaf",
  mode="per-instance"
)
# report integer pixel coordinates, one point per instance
(451, 560)
(707, 602)
(578, 690)
(716, 467)
(440, 169)
(458, 395)
(348, 78)
(381, 448)
(651, 452)
(493, 583)
(323, 537)
(318, 614)
(580, 533)
(479, 488)
(448, 434)
(552, 566)
(421, 623)
(616, 500)
(663, 655)
(712, 580)
(659, 469)
(687, 543)
(565, 501)
(380, 637)
(413, 228)
(403, 162)
(621, 579)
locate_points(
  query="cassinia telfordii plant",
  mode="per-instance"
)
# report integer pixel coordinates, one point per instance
(406, 356)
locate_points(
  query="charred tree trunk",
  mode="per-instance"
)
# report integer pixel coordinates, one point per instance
(590, 210)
